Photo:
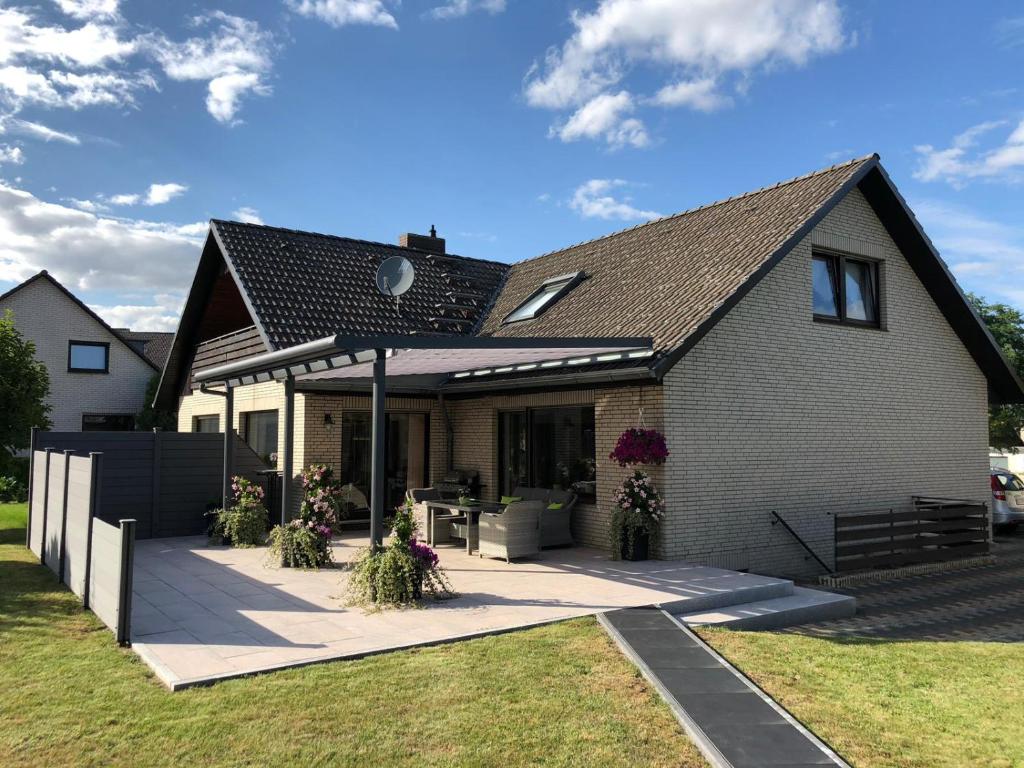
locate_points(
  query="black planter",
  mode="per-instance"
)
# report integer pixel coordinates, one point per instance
(641, 547)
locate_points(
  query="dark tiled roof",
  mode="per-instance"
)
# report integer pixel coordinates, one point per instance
(664, 278)
(155, 345)
(304, 286)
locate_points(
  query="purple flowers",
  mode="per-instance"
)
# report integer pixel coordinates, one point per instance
(424, 554)
(640, 446)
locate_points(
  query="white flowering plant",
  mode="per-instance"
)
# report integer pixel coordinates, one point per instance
(637, 513)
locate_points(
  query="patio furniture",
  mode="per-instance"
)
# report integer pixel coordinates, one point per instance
(555, 523)
(515, 532)
(434, 530)
(460, 520)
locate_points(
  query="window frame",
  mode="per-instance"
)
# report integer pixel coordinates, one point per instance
(246, 416)
(125, 416)
(105, 345)
(839, 259)
(570, 280)
(204, 417)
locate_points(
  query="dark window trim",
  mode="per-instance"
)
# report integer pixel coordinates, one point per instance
(572, 279)
(104, 344)
(841, 258)
(107, 415)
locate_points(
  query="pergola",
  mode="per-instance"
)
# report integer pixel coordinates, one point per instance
(430, 360)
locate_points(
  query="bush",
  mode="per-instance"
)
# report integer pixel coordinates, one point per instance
(11, 490)
(245, 523)
(301, 545)
(401, 573)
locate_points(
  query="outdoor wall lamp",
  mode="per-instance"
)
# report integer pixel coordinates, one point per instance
(328, 423)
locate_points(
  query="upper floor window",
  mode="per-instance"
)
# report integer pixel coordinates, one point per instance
(845, 289)
(88, 357)
(540, 300)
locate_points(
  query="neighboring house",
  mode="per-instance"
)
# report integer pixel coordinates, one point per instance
(812, 355)
(98, 375)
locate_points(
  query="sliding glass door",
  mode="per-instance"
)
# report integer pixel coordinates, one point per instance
(547, 448)
(405, 450)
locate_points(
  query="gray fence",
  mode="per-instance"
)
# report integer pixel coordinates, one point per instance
(164, 480)
(93, 557)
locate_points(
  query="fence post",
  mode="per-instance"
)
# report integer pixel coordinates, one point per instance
(64, 516)
(46, 506)
(124, 609)
(33, 434)
(96, 467)
(154, 514)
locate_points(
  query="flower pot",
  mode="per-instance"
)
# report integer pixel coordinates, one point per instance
(641, 547)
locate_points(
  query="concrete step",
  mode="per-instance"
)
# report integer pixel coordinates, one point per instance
(727, 588)
(803, 606)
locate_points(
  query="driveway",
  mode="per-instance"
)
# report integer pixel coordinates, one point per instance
(983, 604)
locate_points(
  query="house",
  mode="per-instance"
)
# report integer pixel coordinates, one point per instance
(809, 351)
(98, 374)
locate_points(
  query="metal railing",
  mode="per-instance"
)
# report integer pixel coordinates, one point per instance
(777, 518)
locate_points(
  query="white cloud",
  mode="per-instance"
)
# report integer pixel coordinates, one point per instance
(89, 252)
(455, 9)
(126, 199)
(157, 194)
(247, 215)
(233, 60)
(594, 199)
(89, 9)
(704, 47)
(604, 116)
(1010, 32)
(338, 13)
(11, 155)
(38, 131)
(963, 161)
(161, 315)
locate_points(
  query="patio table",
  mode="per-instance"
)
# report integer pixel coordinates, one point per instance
(471, 513)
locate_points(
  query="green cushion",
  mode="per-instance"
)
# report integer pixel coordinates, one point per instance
(555, 505)
(510, 499)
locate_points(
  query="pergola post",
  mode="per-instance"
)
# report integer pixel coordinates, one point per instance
(229, 445)
(289, 447)
(377, 471)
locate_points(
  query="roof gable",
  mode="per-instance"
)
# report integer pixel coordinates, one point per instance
(47, 277)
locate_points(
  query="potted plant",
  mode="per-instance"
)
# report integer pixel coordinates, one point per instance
(640, 446)
(305, 542)
(244, 523)
(636, 517)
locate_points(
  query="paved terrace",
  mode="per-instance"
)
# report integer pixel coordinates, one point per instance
(203, 613)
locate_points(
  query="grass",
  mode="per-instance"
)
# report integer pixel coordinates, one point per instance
(895, 704)
(560, 695)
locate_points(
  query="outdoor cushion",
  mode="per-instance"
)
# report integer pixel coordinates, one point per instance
(510, 499)
(556, 505)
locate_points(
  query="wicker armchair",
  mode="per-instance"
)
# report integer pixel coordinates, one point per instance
(512, 533)
(554, 523)
(419, 498)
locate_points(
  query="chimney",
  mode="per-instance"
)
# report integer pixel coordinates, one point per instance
(430, 242)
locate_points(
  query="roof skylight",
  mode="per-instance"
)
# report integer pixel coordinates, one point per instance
(539, 301)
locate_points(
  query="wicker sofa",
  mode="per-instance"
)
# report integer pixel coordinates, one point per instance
(514, 532)
(442, 524)
(555, 528)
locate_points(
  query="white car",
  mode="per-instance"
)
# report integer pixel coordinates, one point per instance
(1007, 499)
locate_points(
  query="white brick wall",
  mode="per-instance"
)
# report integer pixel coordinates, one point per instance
(44, 314)
(772, 411)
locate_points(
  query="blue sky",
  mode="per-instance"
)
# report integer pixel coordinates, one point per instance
(515, 126)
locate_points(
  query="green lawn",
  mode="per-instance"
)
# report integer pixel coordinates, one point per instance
(893, 704)
(561, 694)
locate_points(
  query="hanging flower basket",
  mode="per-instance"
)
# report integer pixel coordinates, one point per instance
(640, 446)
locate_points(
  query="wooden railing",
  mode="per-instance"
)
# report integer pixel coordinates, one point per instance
(935, 530)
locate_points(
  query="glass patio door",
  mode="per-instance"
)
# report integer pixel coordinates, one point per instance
(405, 453)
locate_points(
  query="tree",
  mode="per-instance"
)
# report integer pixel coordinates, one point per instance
(24, 387)
(151, 418)
(1006, 325)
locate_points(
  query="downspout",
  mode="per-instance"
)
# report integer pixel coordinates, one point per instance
(449, 433)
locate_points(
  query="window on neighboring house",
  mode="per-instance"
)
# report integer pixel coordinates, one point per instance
(206, 424)
(109, 422)
(845, 289)
(261, 433)
(88, 357)
(547, 448)
(540, 300)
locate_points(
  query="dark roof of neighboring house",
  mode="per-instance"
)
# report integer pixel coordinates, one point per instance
(156, 345)
(671, 279)
(302, 286)
(44, 275)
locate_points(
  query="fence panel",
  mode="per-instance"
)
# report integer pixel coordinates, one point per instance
(37, 515)
(190, 479)
(105, 577)
(54, 511)
(78, 527)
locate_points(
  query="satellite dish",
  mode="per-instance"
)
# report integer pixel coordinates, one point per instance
(395, 276)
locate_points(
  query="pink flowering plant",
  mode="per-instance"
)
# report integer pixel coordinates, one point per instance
(638, 512)
(305, 542)
(640, 446)
(244, 523)
(401, 573)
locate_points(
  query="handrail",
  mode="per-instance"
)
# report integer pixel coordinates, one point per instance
(811, 552)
